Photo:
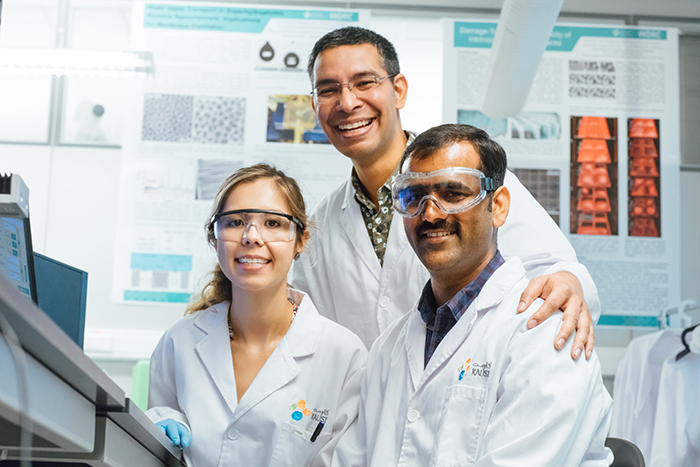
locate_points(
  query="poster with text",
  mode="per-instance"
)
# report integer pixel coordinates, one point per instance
(231, 89)
(598, 145)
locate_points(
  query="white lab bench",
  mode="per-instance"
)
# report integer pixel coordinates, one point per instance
(78, 414)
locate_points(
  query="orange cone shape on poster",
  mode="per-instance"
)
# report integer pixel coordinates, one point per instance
(593, 223)
(643, 207)
(643, 227)
(643, 167)
(643, 187)
(643, 128)
(593, 127)
(643, 147)
(593, 175)
(593, 200)
(593, 150)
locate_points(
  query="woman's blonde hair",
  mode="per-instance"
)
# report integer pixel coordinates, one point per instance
(219, 287)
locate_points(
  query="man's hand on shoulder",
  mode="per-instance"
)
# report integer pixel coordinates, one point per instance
(561, 290)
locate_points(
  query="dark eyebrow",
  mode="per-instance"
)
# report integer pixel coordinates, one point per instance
(360, 74)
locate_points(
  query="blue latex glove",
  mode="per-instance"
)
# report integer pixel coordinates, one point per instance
(178, 433)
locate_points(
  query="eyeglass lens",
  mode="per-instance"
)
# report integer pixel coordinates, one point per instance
(270, 227)
(452, 193)
(330, 92)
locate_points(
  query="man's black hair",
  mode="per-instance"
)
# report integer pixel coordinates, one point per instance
(352, 35)
(493, 158)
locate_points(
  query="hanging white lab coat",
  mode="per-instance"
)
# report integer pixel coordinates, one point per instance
(677, 424)
(341, 273)
(493, 393)
(192, 381)
(636, 389)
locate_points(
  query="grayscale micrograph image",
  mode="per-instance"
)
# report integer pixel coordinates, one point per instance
(167, 117)
(218, 120)
(193, 119)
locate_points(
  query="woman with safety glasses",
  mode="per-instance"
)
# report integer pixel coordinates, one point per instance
(253, 375)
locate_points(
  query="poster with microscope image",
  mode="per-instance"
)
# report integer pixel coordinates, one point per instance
(597, 144)
(230, 90)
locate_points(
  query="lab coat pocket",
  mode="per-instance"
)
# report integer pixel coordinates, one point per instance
(457, 438)
(294, 446)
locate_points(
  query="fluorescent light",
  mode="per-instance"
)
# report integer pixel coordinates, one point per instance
(76, 62)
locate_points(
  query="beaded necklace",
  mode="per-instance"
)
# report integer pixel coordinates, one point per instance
(295, 308)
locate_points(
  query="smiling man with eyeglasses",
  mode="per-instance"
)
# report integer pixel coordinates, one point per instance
(360, 270)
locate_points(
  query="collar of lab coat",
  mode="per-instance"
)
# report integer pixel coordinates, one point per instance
(492, 294)
(300, 340)
(302, 334)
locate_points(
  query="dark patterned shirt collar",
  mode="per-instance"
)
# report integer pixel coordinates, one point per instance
(377, 219)
(440, 320)
(360, 192)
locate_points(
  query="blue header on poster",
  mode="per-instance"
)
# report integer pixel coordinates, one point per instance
(161, 262)
(230, 19)
(480, 35)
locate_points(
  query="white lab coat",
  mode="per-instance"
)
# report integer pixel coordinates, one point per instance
(636, 390)
(192, 381)
(344, 278)
(519, 402)
(677, 425)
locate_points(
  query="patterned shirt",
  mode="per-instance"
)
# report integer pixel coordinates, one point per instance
(441, 320)
(377, 219)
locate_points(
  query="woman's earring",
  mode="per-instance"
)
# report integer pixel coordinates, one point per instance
(298, 255)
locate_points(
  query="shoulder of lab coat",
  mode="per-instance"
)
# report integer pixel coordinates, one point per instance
(531, 234)
(536, 379)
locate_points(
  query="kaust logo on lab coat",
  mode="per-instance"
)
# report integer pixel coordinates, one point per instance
(300, 410)
(481, 370)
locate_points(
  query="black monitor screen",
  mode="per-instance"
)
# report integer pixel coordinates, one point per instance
(16, 258)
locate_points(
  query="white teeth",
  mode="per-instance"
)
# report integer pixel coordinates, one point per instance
(352, 126)
(253, 261)
(437, 234)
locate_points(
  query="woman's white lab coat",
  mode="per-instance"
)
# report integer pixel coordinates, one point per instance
(340, 270)
(317, 362)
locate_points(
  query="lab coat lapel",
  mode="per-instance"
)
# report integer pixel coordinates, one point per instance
(215, 352)
(414, 345)
(354, 226)
(396, 243)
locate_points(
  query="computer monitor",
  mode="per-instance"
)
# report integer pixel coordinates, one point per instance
(62, 294)
(16, 254)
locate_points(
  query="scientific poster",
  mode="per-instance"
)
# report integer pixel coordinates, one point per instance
(231, 89)
(598, 144)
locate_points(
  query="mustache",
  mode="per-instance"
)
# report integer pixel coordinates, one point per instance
(441, 224)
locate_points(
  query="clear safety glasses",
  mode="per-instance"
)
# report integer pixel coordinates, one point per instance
(271, 226)
(329, 93)
(453, 190)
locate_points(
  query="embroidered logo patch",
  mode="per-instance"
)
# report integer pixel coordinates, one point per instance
(299, 410)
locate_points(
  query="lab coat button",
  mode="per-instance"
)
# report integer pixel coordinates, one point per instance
(384, 302)
(233, 434)
(413, 415)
